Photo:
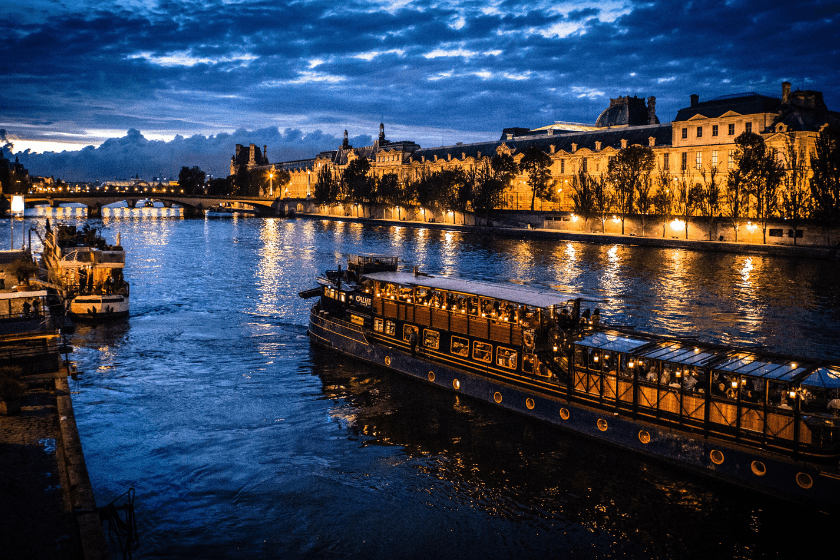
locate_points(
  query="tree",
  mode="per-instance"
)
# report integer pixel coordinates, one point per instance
(626, 171)
(219, 186)
(603, 198)
(457, 189)
(243, 182)
(795, 199)
(709, 197)
(759, 173)
(277, 180)
(686, 198)
(388, 190)
(504, 168)
(663, 199)
(191, 180)
(360, 185)
(327, 188)
(488, 186)
(644, 199)
(825, 181)
(583, 196)
(535, 163)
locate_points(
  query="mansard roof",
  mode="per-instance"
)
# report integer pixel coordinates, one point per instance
(742, 103)
(609, 137)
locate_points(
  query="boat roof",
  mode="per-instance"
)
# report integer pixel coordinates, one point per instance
(505, 292)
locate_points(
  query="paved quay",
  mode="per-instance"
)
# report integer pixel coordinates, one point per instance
(806, 251)
(43, 479)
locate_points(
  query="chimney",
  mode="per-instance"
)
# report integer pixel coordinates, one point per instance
(785, 92)
(651, 141)
(623, 143)
(651, 110)
(552, 148)
(510, 136)
(574, 147)
(265, 153)
(598, 146)
(253, 148)
(694, 99)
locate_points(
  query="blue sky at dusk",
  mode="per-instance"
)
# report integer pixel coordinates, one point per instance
(149, 86)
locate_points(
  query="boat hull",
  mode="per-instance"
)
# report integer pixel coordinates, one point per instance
(763, 471)
(98, 307)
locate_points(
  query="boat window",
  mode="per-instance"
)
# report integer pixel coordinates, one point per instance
(529, 363)
(343, 297)
(506, 357)
(378, 325)
(580, 356)
(594, 362)
(725, 385)
(781, 395)
(692, 380)
(408, 330)
(650, 373)
(460, 346)
(431, 339)
(390, 328)
(482, 352)
(611, 362)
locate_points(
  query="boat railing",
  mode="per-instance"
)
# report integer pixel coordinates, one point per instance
(111, 257)
(756, 420)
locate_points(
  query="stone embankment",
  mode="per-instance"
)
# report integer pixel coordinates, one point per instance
(43, 478)
(525, 231)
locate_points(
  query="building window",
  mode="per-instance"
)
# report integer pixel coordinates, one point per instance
(732, 130)
(748, 127)
(714, 158)
(665, 162)
(714, 130)
(506, 357)
(698, 160)
(562, 166)
(699, 132)
(685, 133)
(584, 165)
(684, 161)
(431, 339)
(731, 163)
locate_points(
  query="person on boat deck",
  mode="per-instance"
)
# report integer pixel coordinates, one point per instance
(36, 307)
(596, 318)
(665, 378)
(689, 381)
(651, 375)
(564, 321)
(26, 306)
(584, 319)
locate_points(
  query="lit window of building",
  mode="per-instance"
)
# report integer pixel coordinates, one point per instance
(684, 161)
(665, 162)
(698, 160)
(731, 163)
(714, 158)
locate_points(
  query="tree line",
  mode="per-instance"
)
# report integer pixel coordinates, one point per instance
(763, 184)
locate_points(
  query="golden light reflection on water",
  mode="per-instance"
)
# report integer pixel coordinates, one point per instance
(450, 242)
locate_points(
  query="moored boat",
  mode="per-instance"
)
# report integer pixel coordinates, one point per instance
(762, 420)
(87, 271)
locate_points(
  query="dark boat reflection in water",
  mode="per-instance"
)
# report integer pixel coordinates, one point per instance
(549, 490)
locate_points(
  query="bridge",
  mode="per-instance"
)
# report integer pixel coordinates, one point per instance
(193, 205)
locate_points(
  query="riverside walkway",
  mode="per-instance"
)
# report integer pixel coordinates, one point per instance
(43, 479)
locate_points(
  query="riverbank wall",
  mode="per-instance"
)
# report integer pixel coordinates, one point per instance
(48, 502)
(536, 225)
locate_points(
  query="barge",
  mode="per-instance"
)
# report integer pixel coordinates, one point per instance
(761, 420)
(87, 271)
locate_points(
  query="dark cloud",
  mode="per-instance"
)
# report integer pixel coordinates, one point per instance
(450, 71)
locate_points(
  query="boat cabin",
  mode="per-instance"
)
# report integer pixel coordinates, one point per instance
(766, 400)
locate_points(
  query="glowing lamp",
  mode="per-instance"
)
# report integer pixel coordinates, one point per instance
(734, 383)
(792, 393)
(17, 203)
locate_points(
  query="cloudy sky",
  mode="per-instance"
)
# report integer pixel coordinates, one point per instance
(101, 90)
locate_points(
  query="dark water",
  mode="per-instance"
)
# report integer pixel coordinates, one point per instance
(244, 441)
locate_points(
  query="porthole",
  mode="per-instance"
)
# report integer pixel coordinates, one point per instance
(804, 480)
(387, 360)
(564, 413)
(716, 457)
(602, 425)
(758, 468)
(497, 397)
(644, 436)
(529, 402)
(456, 384)
(432, 376)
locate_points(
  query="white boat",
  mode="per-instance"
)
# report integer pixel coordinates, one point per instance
(88, 272)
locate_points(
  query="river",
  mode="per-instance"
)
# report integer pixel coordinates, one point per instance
(243, 440)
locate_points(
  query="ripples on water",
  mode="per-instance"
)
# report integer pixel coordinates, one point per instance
(243, 440)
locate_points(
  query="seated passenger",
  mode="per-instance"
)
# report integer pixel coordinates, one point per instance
(651, 375)
(665, 378)
(689, 381)
(596, 318)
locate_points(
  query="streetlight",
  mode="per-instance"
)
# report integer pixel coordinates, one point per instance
(271, 182)
(17, 206)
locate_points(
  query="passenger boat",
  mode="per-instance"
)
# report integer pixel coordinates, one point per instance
(87, 272)
(761, 420)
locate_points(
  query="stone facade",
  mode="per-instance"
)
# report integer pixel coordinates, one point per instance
(701, 135)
